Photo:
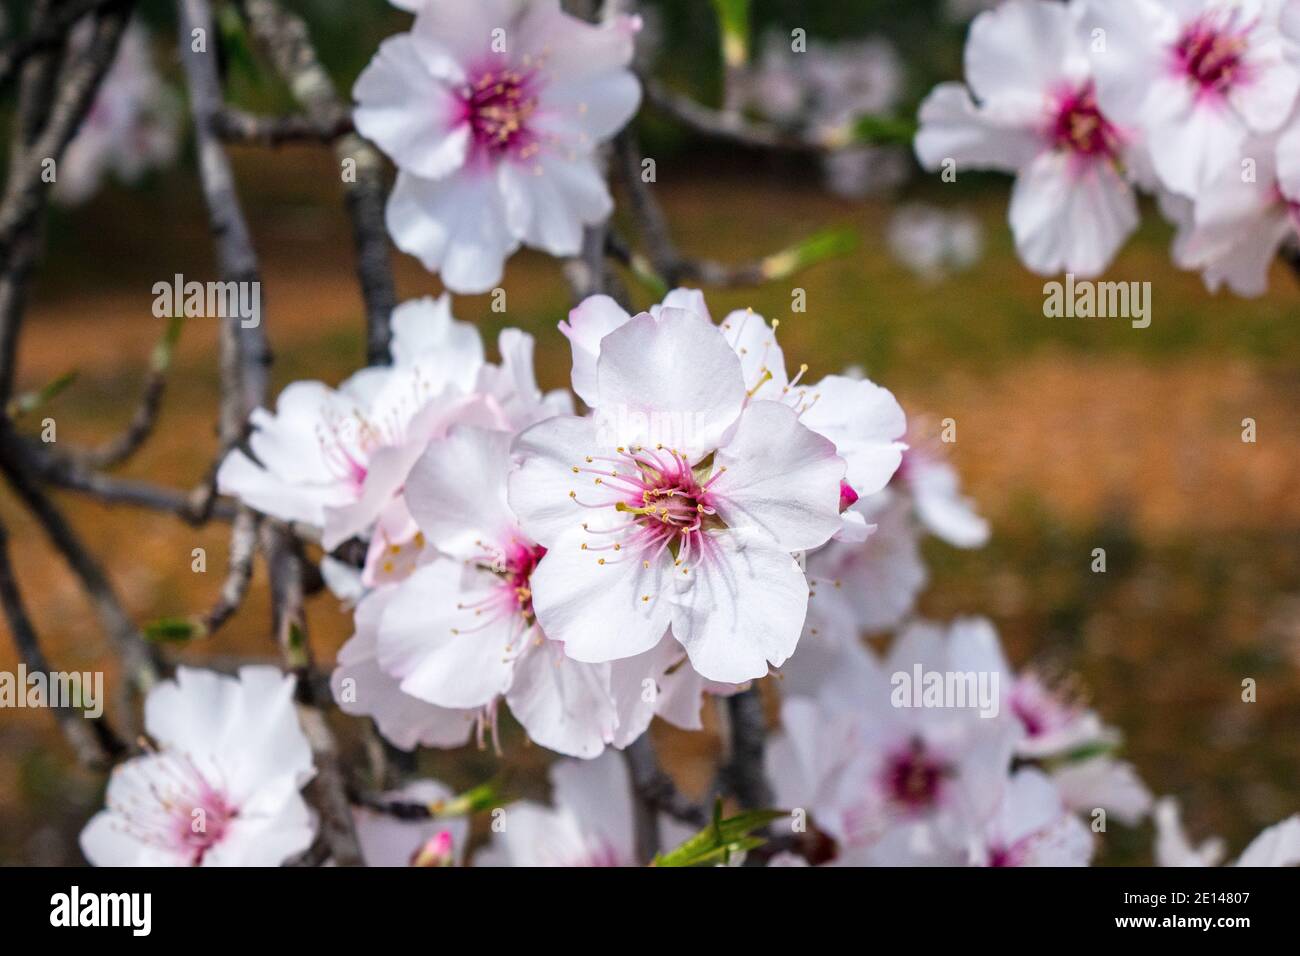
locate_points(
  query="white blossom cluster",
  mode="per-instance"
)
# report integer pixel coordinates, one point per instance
(698, 513)
(1091, 101)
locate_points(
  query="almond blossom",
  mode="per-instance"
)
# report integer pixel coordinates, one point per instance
(493, 112)
(219, 785)
(892, 786)
(897, 784)
(364, 689)
(934, 490)
(1278, 845)
(333, 459)
(460, 632)
(1033, 827)
(862, 419)
(592, 822)
(1233, 229)
(869, 586)
(1051, 724)
(1032, 109)
(933, 243)
(693, 498)
(1197, 77)
(133, 126)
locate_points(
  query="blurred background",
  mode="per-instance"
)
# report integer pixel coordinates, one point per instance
(1073, 434)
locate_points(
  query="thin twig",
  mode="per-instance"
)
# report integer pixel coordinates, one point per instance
(244, 353)
(328, 789)
(46, 122)
(119, 449)
(665, 260)
(234, 125)
(731, 126)
(93, 741)
(139, 659)
(65, 472)
(286, 39)
(742, 774)
(26, 190)
(243, 549)
(48, 33)
(656, 789)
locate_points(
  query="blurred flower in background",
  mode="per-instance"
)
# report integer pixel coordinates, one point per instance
(933, 242)
(133, 127)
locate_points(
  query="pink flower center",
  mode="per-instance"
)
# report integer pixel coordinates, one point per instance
(914, 777)
(512, 594)
(1209, 54)
(521, 560)
(669, 504)
(498, 105)
(1037, 709)
(1013, 855)
(1080, 128)
(184, 812)
(348, 437)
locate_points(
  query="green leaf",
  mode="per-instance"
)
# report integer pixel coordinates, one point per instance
(816, 248)
(161, 359)
(234, 41)
(879, 131)
(733, 24)
(471, 801)
(174, 630)
(646, 275)
(30, 401)
(721, 838)
(1083, 752)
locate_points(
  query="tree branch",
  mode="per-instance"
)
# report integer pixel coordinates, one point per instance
(234, 125)
(655, 788)
(64, 472)
(138, 658)
(730, 126)
(246, 358)
(45, 124)
(288, 43)
(26, 191)
(92, 740)
(138, 430)
(48, 33)
(742, 774)
(668, 264)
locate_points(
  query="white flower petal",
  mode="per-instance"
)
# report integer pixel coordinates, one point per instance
(541, 490)
(589, 322)
(671, 380)
(781, 479)
(741, 609)
(1068, 219)
(1279, 845)
(865, 423)
(441, 653)
(954, 128)
(409, 112)
(455, 226)
(549, 198)
(456, 491)
(602, 607)
(563, 704)
(1021, 45)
